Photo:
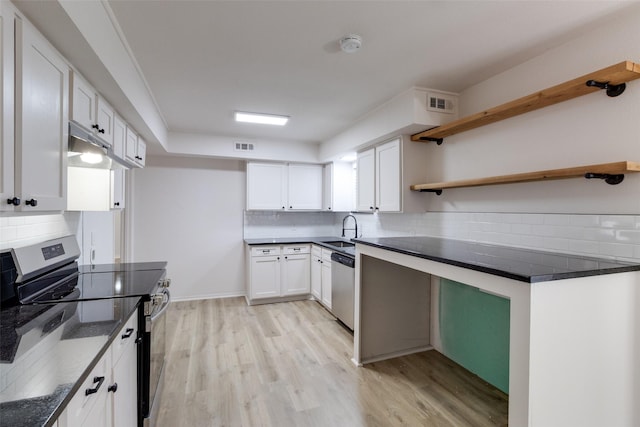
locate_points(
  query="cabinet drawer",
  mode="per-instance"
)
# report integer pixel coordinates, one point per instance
(127, 336)
(265, 250)
(326, 255)
(316, 251)
(296, 249)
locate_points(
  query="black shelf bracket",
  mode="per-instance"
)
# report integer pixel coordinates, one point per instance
(438, 141)
(612, 90)
(438, 192)
(608, 178)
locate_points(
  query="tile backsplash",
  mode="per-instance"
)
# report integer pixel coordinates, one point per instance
(604, 236)
(22, 230)
(259, 224)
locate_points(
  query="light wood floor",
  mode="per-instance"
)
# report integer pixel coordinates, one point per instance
(289, 364)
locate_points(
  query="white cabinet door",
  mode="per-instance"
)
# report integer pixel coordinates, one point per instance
(41, 117)
(131, 146)
(105, 118)
(119, 137)
(365, 194)
(296, 274)
(7, 190)
(388, 179)
(327, 187)
(266, 186)
(326, 278)
(123, 387)
(141, 152)
(93, 409)
(117, 189)
(265, 277)
(305, 187)
(83, 102)
(316, 277)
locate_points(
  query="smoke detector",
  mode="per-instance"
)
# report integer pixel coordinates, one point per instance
(351, 43)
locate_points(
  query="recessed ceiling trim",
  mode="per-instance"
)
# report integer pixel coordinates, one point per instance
(260, 118)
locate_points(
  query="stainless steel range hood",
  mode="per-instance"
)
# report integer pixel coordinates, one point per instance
(88, 151)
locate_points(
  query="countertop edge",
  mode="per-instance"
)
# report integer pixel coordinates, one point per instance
(502, 273)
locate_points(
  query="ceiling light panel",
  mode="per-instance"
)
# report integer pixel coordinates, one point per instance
(263, 119)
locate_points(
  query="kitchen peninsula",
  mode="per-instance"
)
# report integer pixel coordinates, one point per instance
(573, 337)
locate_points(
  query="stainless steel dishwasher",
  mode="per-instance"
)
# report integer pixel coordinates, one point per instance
(343, 287)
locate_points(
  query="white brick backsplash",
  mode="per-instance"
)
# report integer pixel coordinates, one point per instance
(19, 230)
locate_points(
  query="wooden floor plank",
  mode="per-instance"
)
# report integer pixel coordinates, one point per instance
(289, 364)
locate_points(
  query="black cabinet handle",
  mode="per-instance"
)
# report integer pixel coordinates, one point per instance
(15, 201)
(286, 257)
(329, 208)
(371, 207)
(290, 207)
(283, 207)
(98, 381)
(113, 388)
(127, 333)
(95, 127)
(101, 130)
(116, 204)
(31, 202)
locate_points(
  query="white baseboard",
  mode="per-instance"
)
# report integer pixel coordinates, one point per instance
(208, 296)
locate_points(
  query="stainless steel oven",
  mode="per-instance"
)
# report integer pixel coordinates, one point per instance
(46, 273)
(151, 374)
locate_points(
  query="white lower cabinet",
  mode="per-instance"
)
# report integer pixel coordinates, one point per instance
(326, 278)
(108, 396)
(278, 271)
(321, 275)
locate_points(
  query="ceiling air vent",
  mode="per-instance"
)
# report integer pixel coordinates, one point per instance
(441, 103)
(243, 146)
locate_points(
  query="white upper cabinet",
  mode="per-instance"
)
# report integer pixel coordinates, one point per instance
(266, 186)
(135, 148)
(388, 178)
(105, 120)
(90, 110)
(366, 169)
(382, 173)
(278, 186)
(119, 137)
(83, 102)
(339, 187)
(305, 187)
(41, 122)
(6, 108)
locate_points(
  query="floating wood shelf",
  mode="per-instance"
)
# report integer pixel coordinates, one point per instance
(612, 173)
(612, 79)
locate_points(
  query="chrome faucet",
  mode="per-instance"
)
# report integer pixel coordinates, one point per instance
(355, 221)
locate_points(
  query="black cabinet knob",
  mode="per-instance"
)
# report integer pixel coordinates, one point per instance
(290, 207)
(95, 127)
(283, 207)
(15, 201)
(113, 388)
(329, 208)
(116, 204)
(31, 202)
(371, 207)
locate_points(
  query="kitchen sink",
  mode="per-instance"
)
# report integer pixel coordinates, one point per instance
(340, 244)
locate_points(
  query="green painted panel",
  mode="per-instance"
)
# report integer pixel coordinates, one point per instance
(474, 329)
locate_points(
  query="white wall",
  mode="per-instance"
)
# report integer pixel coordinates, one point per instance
(587, 130)
(189, 212)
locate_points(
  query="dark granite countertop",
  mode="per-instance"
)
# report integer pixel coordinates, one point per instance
(48, 349)
(524, 265)
(58, 345)
(321, 241)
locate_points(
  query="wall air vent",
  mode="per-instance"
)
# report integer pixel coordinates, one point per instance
(441, 103)
(243, 146)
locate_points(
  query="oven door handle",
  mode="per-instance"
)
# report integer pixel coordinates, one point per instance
(165, 305)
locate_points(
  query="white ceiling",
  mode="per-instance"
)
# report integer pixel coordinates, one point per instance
(205, 59)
